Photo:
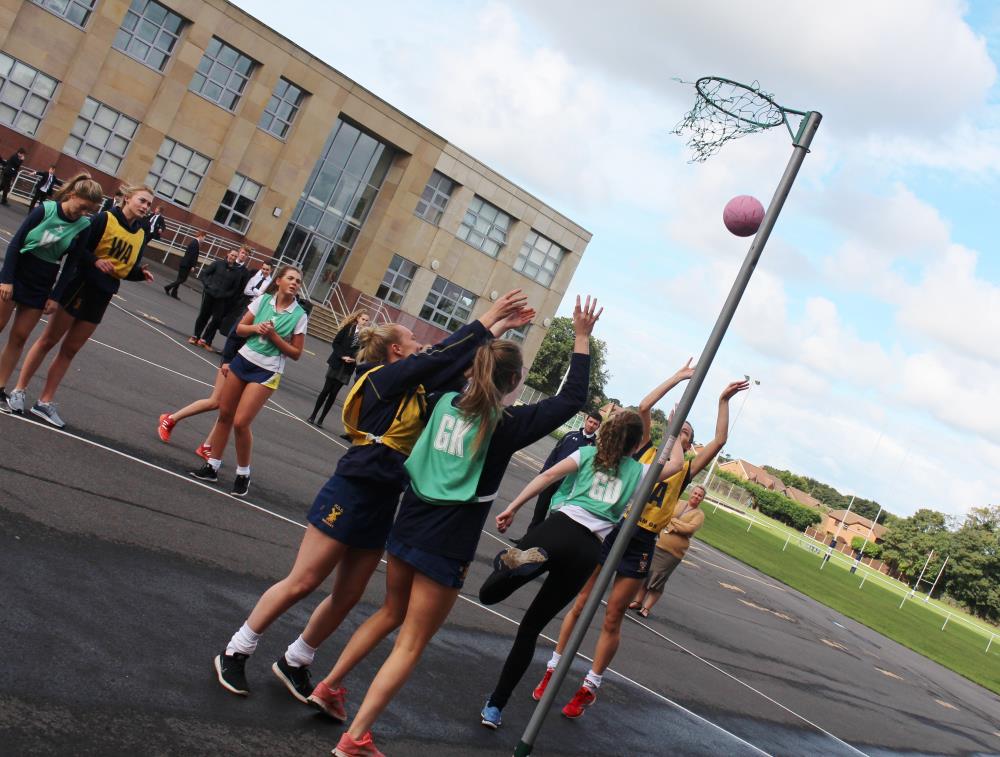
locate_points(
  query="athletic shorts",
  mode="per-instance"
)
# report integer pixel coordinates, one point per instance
(447, 571)
(253, 373)
(85, 301)
(357, 512)
(664, 564)
(638, 553)
(33, 280)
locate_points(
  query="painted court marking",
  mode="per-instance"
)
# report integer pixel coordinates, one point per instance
(890, 674)
(247, 503)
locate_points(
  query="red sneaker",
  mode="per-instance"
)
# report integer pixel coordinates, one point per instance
(348, 747)
(581, 700)
(166, 426)
(331, 701)
(540, 688)
(204, 451)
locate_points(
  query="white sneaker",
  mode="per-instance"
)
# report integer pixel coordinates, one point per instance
(16, 401)
(47, 412)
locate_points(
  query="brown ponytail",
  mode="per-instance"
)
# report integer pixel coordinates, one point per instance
(495, 371)
(81, 186)
(616, 438)
(374, 343)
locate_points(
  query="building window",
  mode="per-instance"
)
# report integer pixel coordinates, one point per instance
(149, 33)
(237, 204)
(25, 94)
(539, 258)
(517, 335)
(485, 226)
(397, 280)
(75, 11)
(281, 108)
(434, 199)
(101, 136)
(222, 74)
(177, 172)
(448, 305)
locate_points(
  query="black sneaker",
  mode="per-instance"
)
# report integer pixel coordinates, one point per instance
(5, 408)
(231, 672)
(298, 681)
(240, 486)
(205, 473)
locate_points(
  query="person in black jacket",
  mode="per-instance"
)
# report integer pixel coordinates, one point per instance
(221, 281)
(154, 224)
(341, 362)
(189, 261)
(10, 168)
(45, 184)
(566, 446)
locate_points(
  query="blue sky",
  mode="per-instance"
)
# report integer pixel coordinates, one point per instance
(873, 320)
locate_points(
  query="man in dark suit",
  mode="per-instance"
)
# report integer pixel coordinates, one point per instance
(45, 184)
(154, 223)
(189, 261)
(10, 168)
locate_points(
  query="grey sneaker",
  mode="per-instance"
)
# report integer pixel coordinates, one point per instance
(4, 405)
(519, 562)
(47, 412)
(16, 401)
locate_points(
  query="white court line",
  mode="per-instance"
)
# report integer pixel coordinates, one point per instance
(264, 510)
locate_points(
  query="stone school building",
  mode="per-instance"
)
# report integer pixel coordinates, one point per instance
(244, 134)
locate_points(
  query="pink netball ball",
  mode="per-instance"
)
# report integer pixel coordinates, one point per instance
(743, 215)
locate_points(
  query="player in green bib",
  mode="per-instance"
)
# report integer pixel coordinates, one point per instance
(598, 484)
(31, 265)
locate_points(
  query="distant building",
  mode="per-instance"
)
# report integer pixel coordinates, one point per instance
(853, 525)
(756, 475)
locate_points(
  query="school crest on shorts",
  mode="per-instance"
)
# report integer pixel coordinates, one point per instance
(332, 516)
(644, 561)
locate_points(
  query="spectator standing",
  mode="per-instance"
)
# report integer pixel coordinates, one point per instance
(341, 364)
(154, 224)
(45, 184)
(221, 282)
(189, 261)
(10, 168)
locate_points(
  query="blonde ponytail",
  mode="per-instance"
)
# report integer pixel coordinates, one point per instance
(495, 371)
(81, 186)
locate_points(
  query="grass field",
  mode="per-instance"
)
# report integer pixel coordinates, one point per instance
(915, 626)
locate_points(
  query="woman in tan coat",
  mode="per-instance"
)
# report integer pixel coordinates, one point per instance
(671, 546)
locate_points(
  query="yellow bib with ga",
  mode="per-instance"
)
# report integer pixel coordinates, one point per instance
(407, 423)
(120, 246)
(659, 508)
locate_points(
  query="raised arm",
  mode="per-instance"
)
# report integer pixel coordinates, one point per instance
(535, 487)
(675, 462)
(712, 449)
(649, 401)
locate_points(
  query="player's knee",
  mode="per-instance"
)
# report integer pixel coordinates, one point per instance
(303, 585)
(613, 620)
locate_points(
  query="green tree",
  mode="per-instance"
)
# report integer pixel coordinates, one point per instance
(908, 541)
(828, 495)
(552, 361)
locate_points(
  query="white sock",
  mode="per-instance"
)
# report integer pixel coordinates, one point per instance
(299, 654)
(593, 681)
(553, 661)
(216, 464)
(242, 470)
(243, 641)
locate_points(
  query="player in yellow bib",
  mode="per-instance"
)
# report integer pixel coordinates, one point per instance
(635, 562)
(110, 251)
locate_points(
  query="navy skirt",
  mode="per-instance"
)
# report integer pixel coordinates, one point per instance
(33, 280)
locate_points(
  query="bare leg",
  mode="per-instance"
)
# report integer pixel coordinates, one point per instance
(640, 595)
(24, 322)
(202, 406)
(611, 632)
(254, 397)
(318, 556)
(59, 323)
(385, 620)
(569, 621)
(6, 309)
(229, 400)
(353, 573)
(652, 597)
(74, 340)
(430, 603)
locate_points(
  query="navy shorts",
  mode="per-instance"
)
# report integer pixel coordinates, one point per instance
(85, 301)
(33, 280)
(355, 511)
(252, 373)
(447, 571)
(638, 554)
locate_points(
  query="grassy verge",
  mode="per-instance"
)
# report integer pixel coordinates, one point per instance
(915, 626)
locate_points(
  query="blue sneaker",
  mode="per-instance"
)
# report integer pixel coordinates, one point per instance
(490, 716)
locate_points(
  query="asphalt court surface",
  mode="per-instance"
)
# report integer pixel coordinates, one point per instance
(122, 578)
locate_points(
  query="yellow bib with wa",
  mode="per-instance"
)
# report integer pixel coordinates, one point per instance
(120, 246)
(407, 423)
(659, 508)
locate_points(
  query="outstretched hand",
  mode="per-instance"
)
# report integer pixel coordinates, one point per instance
(585, 317)
(732, 389)
(686, 371)
(510, 303)
(515, 320)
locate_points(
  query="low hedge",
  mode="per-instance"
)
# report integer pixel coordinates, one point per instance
(775, 505)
